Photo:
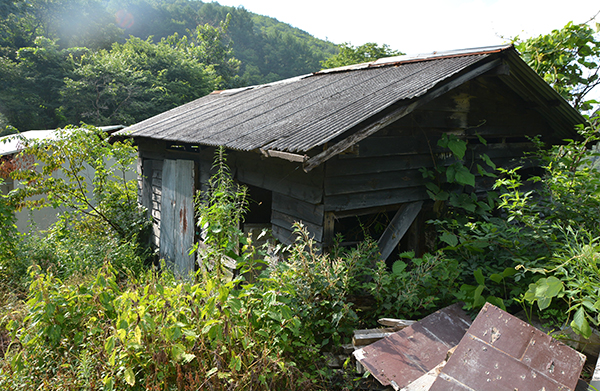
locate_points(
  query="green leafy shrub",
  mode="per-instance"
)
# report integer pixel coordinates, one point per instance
(8, 239)
(59, 178)
(316, 287)
(574, 279)
(220, 211)
(414, 287)
(100, 219)
(153, 333)
(534, 245)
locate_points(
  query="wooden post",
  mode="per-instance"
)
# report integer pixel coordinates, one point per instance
(328, 229)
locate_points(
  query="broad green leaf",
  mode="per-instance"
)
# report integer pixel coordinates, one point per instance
(555, 286)
(109, 344)
(478, 300)
(443, 141)
(464, 177)
(580, 324)
(449, 238)
(109, 383)
(398, 267)
(479, 277)
(129, 376)
(497, 278)
(177, 352)
(481, 139)
(450, 174)
(509, 272)
(458, 147)
(544, 302)
(530, 294)
(137, 334)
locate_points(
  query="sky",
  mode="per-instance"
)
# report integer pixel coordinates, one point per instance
(424, 26)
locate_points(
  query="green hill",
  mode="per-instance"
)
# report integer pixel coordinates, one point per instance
(121, 61)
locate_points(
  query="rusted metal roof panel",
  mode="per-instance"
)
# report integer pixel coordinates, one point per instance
(406, 355)
(501, 352)
(299, 114)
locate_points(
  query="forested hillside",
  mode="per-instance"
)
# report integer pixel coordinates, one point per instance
(121, 61)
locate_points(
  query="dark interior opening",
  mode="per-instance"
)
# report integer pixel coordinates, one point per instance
(259, 205)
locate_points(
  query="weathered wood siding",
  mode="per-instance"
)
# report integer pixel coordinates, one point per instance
(150, 190)
(384, 168)
(286, 210)
(177, 215)
(297, 196)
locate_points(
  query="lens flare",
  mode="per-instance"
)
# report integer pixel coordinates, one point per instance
(124, 19)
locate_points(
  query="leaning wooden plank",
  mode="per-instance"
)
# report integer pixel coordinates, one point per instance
(397, 228)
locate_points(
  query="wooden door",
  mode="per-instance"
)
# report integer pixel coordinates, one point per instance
(177, 216)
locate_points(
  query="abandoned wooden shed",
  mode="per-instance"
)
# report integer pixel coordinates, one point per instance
(343, 142)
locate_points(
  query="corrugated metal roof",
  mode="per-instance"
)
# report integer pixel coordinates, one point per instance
(299, 114)
(302, 113)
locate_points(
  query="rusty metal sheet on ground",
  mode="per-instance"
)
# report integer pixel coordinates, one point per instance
(406, 355)
(501, 352)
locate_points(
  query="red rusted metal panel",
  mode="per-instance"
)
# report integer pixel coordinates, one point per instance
(406, 355)
(501, 352)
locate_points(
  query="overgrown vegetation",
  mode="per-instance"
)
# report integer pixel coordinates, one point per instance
(87, 314)
(82, 175)
(533, 240)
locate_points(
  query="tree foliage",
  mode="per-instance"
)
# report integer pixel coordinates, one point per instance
(350, 55)
(66, 61)
(59, 179)
(131, 82)
(568, 59)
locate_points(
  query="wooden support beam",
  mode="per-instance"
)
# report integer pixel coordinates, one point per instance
(395, 115)
(292, 157)
(328, 228)
(397, 228)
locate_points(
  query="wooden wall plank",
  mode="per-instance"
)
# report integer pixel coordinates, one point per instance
(284, 235)
(167, 215)
(373, 181)
(342, 165)
(302, 210)
(374, 198)
(156, 186)
(287, 221)
(280, 176)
